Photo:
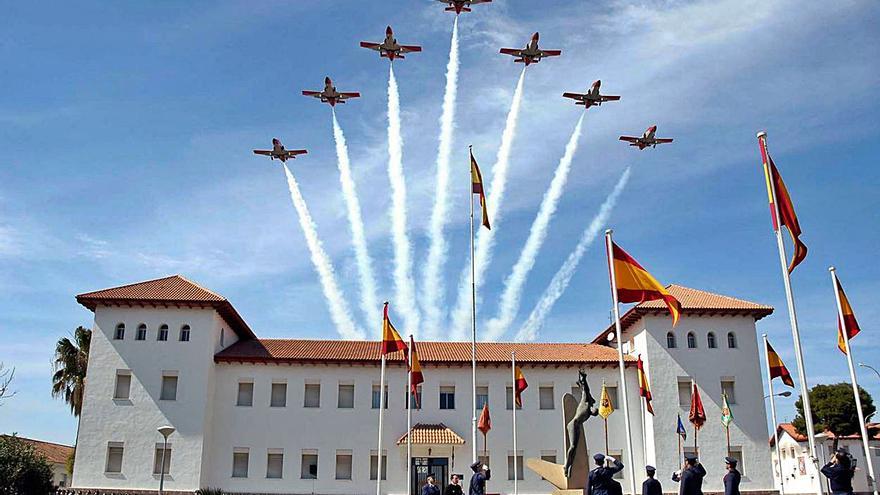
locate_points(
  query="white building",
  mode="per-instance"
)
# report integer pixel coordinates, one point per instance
(300, 416)
(796, 470)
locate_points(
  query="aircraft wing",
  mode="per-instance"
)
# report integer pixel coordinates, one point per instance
(410, 48)
(316, 94)
(371, 46)
(293, 153)
(349, 95)
(662, 140)
(474, 2)
(263, 152)
(551, 53)
(629, 139)
(516, 52)
(609, 98)
(574, 96)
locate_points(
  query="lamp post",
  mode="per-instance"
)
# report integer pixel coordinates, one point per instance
(166, 432)
(863, 365)
(780, 394)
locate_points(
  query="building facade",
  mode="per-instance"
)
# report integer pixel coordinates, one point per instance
(300, 416)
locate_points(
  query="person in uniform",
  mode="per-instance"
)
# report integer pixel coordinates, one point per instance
(840, 473)
(651, 486)
(601, 478)
(479, 479)
(691, 476)
(454, 487)
(430, 488)
(732, 478)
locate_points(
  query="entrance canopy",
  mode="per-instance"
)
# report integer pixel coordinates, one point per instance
(432, 434)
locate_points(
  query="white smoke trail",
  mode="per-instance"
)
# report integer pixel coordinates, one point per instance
(433, 281)
(339, 312)
(404, 285)
(486, 238)
(560, 281)
(513, 286)
(369, 304)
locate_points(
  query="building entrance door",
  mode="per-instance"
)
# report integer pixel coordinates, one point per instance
(423, 466)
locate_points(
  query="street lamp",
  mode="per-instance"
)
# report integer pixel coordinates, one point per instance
(780, 394)
(166, 432)
(863, 365)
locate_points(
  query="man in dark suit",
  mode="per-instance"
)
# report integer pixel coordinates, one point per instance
(840, 473)
(478, 480)
(691, 476)
(430, 487)
(651, 486)
(732, 478)
(601, 479)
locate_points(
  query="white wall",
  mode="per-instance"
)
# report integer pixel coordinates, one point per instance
(797, 481)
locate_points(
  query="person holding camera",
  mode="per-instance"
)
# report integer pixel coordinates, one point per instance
(840, 472)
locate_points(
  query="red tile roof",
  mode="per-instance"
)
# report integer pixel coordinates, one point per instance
(432, 434)
(55, 453)
(364, 352)
(167, 291)
(694, 302)
(873, 432)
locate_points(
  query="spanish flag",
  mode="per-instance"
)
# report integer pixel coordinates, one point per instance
(777, 367)
(850, 325)
(477, 188)
(635, 284)
(787, 216)
(391, 341)
(697, 415)
(415, 371)
(644, 387)
(605, 405)
(519, 385)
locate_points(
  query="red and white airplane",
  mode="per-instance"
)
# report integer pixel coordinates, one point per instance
(279, 152)
(646, 139)
(389, 48)
(330, 95)
(459, 6)
(531, 53)
(591, 97)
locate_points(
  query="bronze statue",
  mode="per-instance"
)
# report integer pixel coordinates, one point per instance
(585, 409)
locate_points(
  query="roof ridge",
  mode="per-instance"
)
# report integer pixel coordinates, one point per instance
(524, 344)
(198, 285)
(167, 277)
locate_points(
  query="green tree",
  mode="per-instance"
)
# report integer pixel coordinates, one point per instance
(21, 469)
(834, 410)
(71, 362)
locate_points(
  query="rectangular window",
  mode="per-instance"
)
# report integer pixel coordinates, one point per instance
(483, 457)
(377, 396)
(245, 394)
(240, 461)
(114, 457)
(482, 397)
(509, 399)
(169, 388)
(343, 465)
(374, 463)
(447, 397)
(727, 387)
(576, 392)
(309, 468)
(690, 450)
(279, 395)
(345, 398)
(415, 400)
(312, 396)
(123, 385)
(684, 392)
(617, 454)
(274, 464)
(158, 460)
(519, 467)
(737, 453)
(545, 395)
(548, 456)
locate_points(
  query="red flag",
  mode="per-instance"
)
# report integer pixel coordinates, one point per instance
(415, 369)
(697, 414)
(519, 386)
(787, 215)
(849, 319)
(644, 387)
(485, 423)
(391, 341)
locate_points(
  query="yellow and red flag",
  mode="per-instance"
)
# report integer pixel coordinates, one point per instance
(850, 325)
(644, 387)
(785, 207)
(485, 422)
(519, 385)
(697, 415)
(634, 283)
(605, 405)
(415, 371)
(478, 189)
(391, 341)
(777, 367)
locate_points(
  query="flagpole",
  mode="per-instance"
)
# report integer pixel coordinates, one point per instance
(513, 391)
(409, 422)
(852, 374)
(381, 414)
(473, 328)
(792, 315)
(629, 443)
(773, 416)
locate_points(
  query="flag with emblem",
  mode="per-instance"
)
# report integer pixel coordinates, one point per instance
(519, 385)
(644, 387)
(478, 189)
(848, 321)
(415, 371)
(777, 367)
(680, 429)
(634, 284)
(605, 405)
(391, 341)
(786, 216)
(726, 413)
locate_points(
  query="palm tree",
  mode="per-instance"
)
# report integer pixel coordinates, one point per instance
(71, 362)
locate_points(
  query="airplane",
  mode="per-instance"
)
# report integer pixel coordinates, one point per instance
(459, 6)
(330, 95)
(531, 53)
(591, 97)
(646, 139)
(389, 48)
(279, 152)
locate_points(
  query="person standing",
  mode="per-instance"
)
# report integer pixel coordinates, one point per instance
(651, 486)
(454, 486)
(479, 479)
(430, 488)
(732, 478)
(840, 473)
(691, 476)
(601, 479)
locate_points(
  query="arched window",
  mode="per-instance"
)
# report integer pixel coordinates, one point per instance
(163, 333)
(184, 333)
(141, 332)
(692, 340)
(710, 340)
(670, 340)
(731, 340)
(120, 332)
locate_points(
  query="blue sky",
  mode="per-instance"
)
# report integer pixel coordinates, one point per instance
(126, 130)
